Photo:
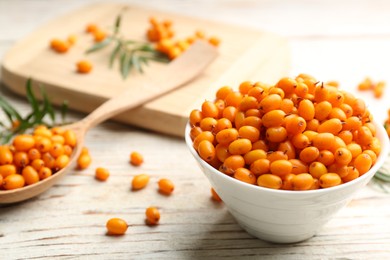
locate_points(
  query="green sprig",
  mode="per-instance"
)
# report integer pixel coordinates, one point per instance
(129, 53)
(40, 112)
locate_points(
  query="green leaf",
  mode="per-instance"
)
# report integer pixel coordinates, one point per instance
(115, 53)
(47, 107)
(9, 110)
(64, 110)
(136, 63)
(117, 24)
(32, 99)
(100, 45)
(125, 65)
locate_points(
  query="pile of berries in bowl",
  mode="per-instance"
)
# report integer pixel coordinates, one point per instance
(284, 158)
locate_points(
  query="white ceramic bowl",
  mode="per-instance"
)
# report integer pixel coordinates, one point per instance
(284, 216)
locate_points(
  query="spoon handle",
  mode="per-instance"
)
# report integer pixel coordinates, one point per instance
(180, 71)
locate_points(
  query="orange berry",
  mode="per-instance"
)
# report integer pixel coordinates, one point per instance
(44, 172)
(30, 175)
(116, 226)
(245, 175)
(215, 196)
(270, 181)
(102, 174)
(152, 215)
(140, 181)
(84, 66)
(84, 161)
(329, 180)
(136, 158)
(13, 181)
(302, 181)
(166, 186)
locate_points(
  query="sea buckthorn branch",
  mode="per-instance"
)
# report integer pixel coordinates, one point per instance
(38, 116)
(129, 53)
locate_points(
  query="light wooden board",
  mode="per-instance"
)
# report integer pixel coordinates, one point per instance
(245, 54)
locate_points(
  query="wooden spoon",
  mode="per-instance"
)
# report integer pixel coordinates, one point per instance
(180, 71)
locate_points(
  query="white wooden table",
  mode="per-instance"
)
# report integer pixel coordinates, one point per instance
(344, 41)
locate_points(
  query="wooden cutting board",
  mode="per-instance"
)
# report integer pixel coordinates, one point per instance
(245, 54)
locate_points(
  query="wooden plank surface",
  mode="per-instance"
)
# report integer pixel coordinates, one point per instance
(31, 57)
(68, 221)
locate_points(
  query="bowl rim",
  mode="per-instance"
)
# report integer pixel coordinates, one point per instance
(380, 133)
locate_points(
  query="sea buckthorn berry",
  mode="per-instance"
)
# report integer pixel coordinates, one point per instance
(324, 141)
(220, 104)
(355, 149)
(226, 136)
(245, 175)
(301, 89)
(195, 131)
(83, 161)
(281, 167)
(335, 97)
(90, 28)
(239, 119)
(240, 146)
(102, 174)
(287, 85)
(61, 161)
(136, 158)
(43, 145)
(222, 124)
(252, 112)
(59, 46)
(33, 154)
(223, 92)
(252, 121)
(196, 117)
(258, 93)
(362, 163)
(6, 156)
(261, 144)
(270, 181)
(352, 123)
(352, 173)
(295, 125)
(300, 141)
(306, 109)
(84, 67)
(247, 103)
(68, 150)
(7, 169)
(347, 110)
(343, 156)
(358, 107)
(346, 136)
(372, 154)
(288, 149)
(232, 163)
(287, 182)
(116, 226)
(245, 87)
(44, 173)
(23, 142)
(152, 216)
(99, 35)
(209, 109)
(56, 150)
(333, 126)
(317, 169)
(70, 138)
(276, 134)
(287, 105)
(249, 132)
(260, 166)
(13, 181)
(206, 150)
(364, 136)
(338, 113)
(273, 118)
(166, 186)
(277, 155)
(37, 164)
(309, 154)
(322, 110)
(302, 181)
(140, 181)
(254, 155)
(379, 89)
(330, 180)
(233, 99)
(277, 91)
(206, 135)
(21, 159)
(270, 102)
(326, 157)
(229, 112)
(214, 41)
(298, 166)
(215, 196)
(208, 124)
(30, 175)
(222, 152)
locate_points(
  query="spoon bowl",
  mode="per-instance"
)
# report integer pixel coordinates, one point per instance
(180, 71)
